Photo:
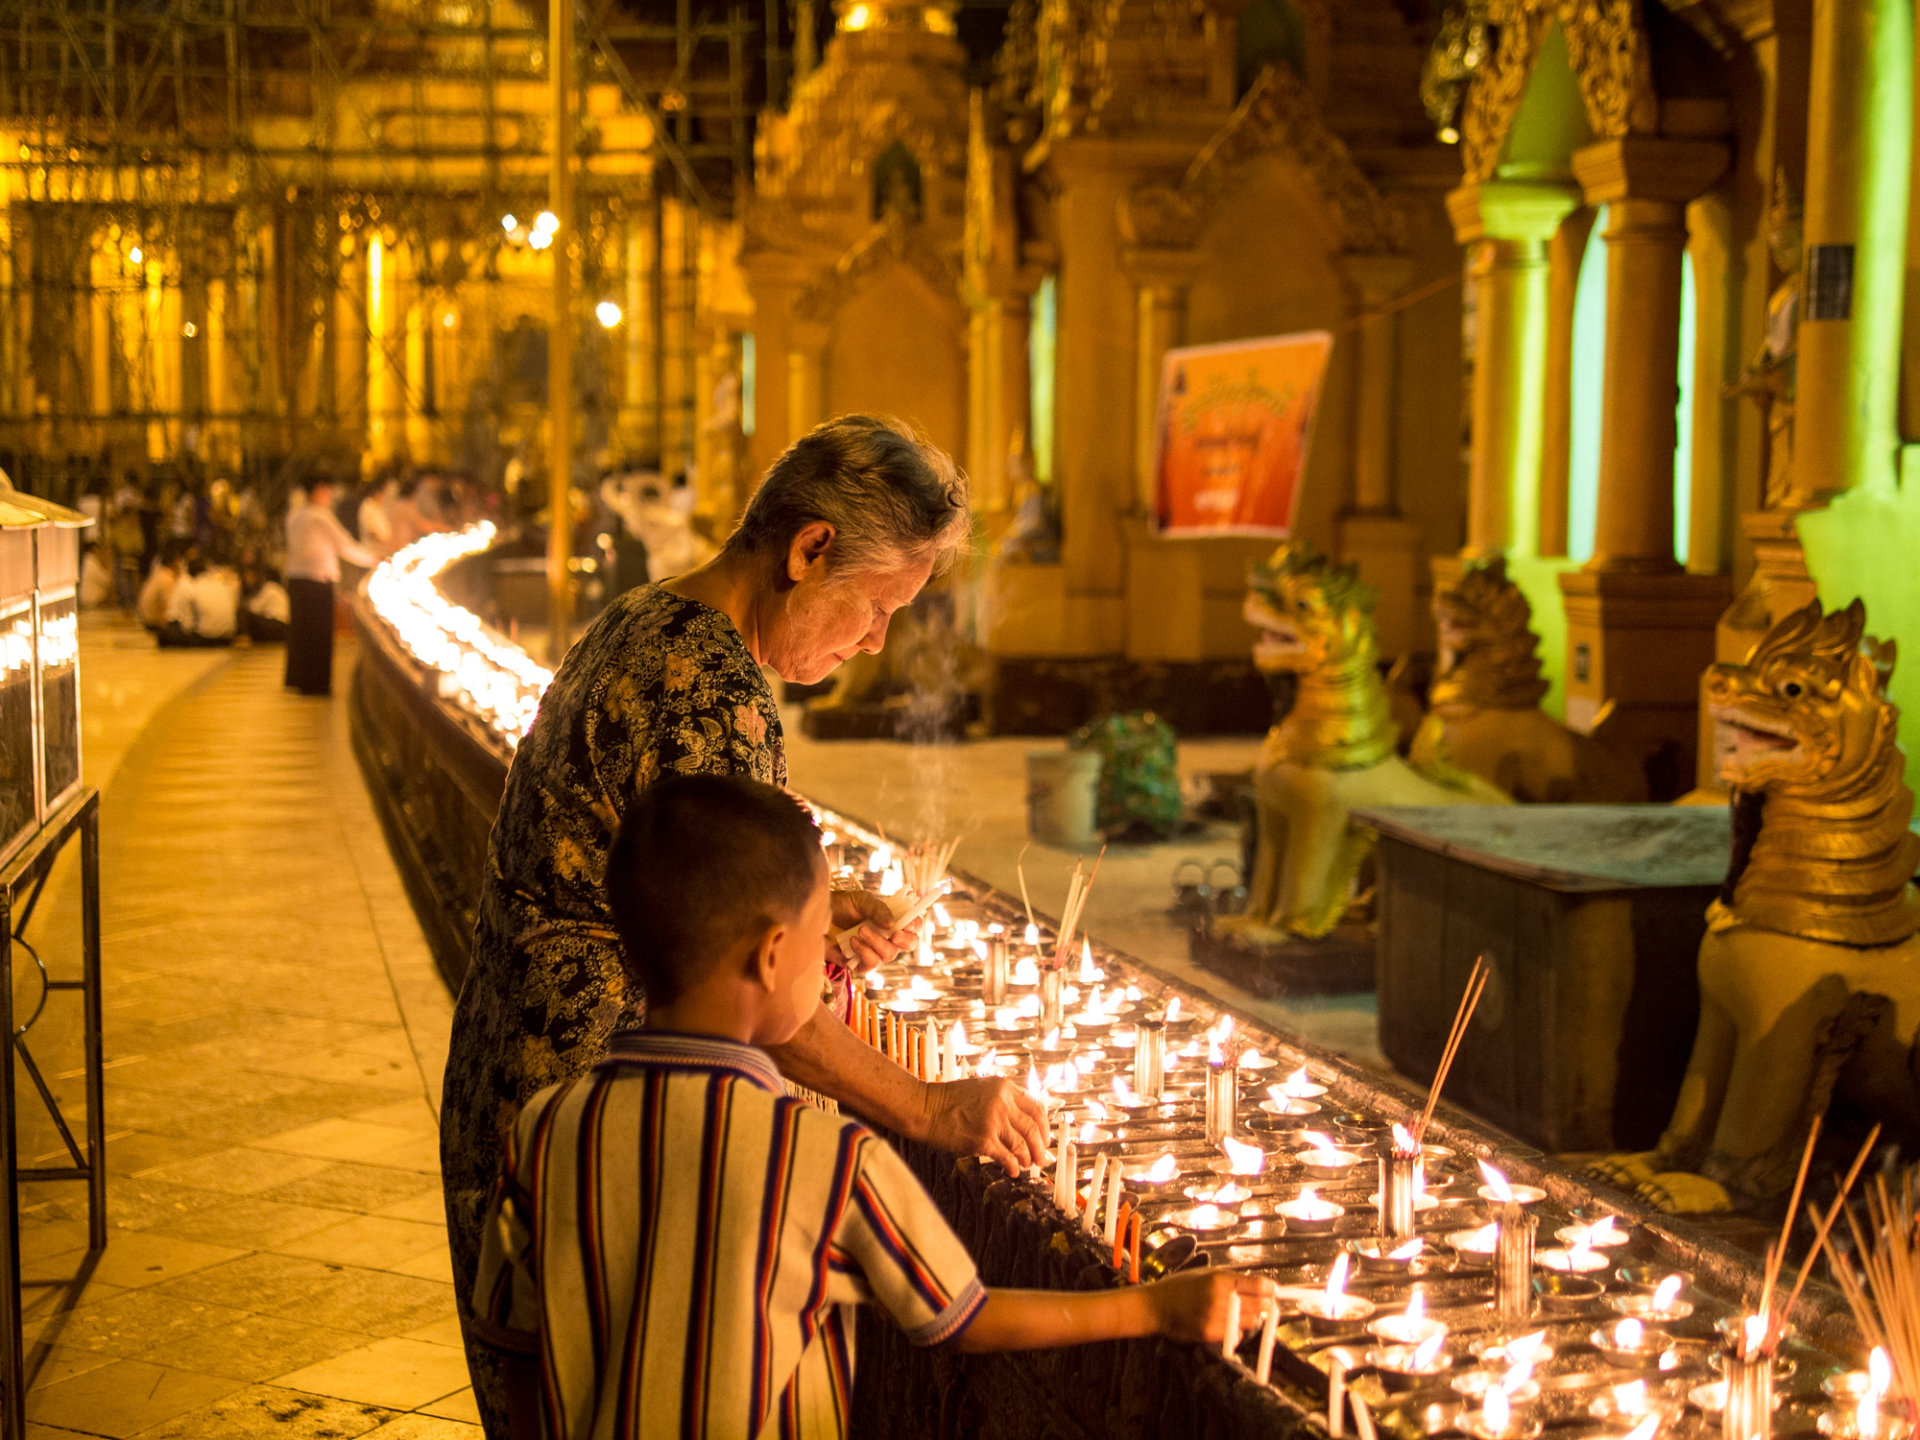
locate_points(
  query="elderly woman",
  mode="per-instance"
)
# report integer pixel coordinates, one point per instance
(847, 527)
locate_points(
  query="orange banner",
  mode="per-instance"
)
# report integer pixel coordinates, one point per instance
(1235, 420)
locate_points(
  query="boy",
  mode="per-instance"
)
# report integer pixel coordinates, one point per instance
(675, 1238)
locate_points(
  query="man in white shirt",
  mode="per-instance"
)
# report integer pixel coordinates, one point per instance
(316, 544)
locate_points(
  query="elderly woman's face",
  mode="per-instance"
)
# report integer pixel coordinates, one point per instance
(825, 619)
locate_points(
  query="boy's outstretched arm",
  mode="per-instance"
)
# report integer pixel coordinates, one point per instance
(1185, 1307)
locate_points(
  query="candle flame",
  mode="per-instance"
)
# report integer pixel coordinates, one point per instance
(1337, 1276)
(1087, 1132)
(1629, 1335)
(1215, 1055)
(1087, 971)
(1879, 1372)
(1245, 1159)
(1496, 1182)
(1427, 1351)
(1097, 1111)
(1606, 1231)
(1221, 1030)
(1163, 1169)
(1403, 1141)
(1173, 1009)
(1646, 1429)
(1754, 1334)
(1407, 1251)
(1316, 1141)
(1034, 1087)
(1052, 1041)
(1278, 1095)
(1526, 1348)
(941, 917)
(957, 1043)
(1032, 936)
(1208, 1217)
(980, 950)
(1251, 1059)
(1631, 1399)
(1666, 1292)
(1495, 1412)
(879, 860)
(1417, 1304)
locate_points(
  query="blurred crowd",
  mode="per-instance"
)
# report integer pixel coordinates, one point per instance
(204, 561)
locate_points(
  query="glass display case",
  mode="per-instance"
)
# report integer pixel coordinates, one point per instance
(39, 661)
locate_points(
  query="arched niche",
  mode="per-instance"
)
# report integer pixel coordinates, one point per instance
(895, 349)
(1271, 268)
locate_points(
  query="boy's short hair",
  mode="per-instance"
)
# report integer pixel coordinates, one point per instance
(701, 863)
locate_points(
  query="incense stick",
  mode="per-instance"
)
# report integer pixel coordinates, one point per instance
(1825, 1227)
(1777, 1254)
(1020, 869)
(1079, 886)
(1476, 984)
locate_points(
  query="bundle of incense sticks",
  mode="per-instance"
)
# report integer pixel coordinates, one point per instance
(924, 866)
(1079, 886)
(1476, 984)
(1882, 1280)
(1777, 1252)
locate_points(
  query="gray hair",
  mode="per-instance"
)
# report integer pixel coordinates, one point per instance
(891, 497)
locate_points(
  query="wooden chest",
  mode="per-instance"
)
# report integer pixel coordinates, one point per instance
(1590, 917)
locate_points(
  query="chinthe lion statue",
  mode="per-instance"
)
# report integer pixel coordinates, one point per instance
(1335, 750)
(1810, 969)
(1484, 712)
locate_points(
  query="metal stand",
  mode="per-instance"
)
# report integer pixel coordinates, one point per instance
(21, 883)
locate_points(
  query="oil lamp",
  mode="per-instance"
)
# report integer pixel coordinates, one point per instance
(1332, 1309)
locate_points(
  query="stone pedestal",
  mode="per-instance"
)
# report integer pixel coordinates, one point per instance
(1637, 643)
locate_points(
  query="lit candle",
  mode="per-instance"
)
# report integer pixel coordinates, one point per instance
(1413, 1326)
(1309, 1211)
(1269, 1327)
(1498, 1190)
(1300, 1086)
(1332, 1308)
(1242, 1158)
(1092, 1216)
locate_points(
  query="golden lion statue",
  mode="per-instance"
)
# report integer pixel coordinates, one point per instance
(1484, 712)
(1810, 969)
(1335, 750)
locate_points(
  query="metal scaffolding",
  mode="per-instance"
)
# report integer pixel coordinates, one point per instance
(257, 236)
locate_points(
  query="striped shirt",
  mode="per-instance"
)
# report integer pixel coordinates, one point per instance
(685, 1239)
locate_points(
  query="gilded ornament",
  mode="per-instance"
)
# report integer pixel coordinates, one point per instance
(1332, 752)
(1810, 969)
(1484, 708)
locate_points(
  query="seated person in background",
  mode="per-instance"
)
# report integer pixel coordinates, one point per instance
(264, 610)
(156, 594)
(96, 577)
(717, 1303)
(205, 607)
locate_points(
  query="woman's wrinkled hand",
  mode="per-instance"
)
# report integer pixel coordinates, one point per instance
(990, 1117)
(875, 942)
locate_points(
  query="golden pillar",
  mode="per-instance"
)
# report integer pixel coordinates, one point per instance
(1859, 137)
(1161, 278)
(1506, 225)
(1564, 253)
(1372, 532)
(1639, 628)
(806, 379)
(998, 394)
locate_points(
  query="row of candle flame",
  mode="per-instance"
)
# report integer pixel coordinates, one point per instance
(492, 679)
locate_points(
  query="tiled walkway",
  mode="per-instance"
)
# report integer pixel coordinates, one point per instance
(275, 1033)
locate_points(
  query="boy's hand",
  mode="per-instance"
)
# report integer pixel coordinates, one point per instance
(1193, 1306)
(995, 1118)
(875, 942)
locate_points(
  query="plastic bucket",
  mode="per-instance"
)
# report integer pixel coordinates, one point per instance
(1063, 788)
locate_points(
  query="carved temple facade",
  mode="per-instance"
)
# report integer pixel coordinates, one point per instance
(1602, 396)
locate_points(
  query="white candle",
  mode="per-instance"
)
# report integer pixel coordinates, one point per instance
(1116, 1186)
(931, 1058)
(1269, 1326)
(1092, 1218)
(1231, 1340)
(1336, 1400)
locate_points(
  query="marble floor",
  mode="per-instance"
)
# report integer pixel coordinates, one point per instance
(274, 1036)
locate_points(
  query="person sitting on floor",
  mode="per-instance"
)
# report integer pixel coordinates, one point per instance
(205, 607)
(156, 593)
(264, 610)
(96, 577)
(711, 1296)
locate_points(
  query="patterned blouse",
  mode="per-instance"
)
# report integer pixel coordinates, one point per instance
(658, 683)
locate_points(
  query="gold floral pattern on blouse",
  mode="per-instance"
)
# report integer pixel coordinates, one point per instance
(658, 684)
